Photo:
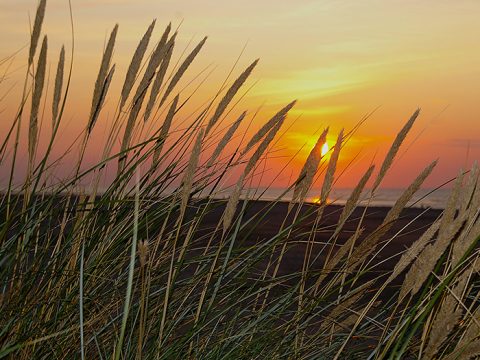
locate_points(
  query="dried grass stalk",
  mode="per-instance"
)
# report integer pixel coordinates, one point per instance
(473, 329)
(425, 262)
(143, 252)
(394, 149)
(446, 318)
(346, 307)
(412, 252)
(152, 66)
(368, 245)
(225, 139)
(101, 100)
(187, 182)
(37, 29)
(164, 130)
(222, 106)
(468, 236)
(235, 196)
(338, 256)
(339, 310)
(466, 352)
(332, 166)
(135, 64)
(307, 174)
(231, 206)
(468, 346)
(181, 70)
(103, 72)
(406, 196)
(157, 83)
(36, 96)
(263, 146)
(451, 207)
(153, 63)
(353, 198)
(279, 116)
(470, 188)
(469, 208)
(57, 92)
(351, 203)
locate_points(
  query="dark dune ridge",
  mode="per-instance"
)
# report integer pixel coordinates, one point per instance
(262, 221)
(406, 230)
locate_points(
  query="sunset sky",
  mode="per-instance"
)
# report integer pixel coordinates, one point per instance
(341, 59)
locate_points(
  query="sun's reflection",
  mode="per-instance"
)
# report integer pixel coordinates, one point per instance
(314, 200)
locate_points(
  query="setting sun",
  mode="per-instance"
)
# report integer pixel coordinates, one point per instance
(324, 149)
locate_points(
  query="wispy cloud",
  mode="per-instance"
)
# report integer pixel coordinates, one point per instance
(318, 82)
(463, 143)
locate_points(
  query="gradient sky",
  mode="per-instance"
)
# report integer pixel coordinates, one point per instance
(340, 59)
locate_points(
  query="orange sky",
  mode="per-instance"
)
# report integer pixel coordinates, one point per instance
(341, 60)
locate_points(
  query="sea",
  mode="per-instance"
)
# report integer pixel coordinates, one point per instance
(424, 198)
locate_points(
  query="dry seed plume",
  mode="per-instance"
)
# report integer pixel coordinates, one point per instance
(235, 196)
(426, 260)
(152, 65)
(469, 208)
(222, 106)
(446, 318)
(164, 131)
(157, 83)
(103, 72)
(344, 306)
(225, 139)
(181, 70)
(451, 207)
(470, 188)
(353, 198)
(279, 116)
(468, 236)
(402, 201)
(190, 173)
(36, 96)
(394, 149)
(57, 92)
(135, 64)
(412, 252)
(263, 146)
(368, 245)
(332, 166)
(231, 206)
(468, 351)
(335, 260)
(101, 100)
(143, 252)
(469, 344)
(37, 29)
(307, 174)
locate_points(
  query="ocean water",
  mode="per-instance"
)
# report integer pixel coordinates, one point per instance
(424, 198)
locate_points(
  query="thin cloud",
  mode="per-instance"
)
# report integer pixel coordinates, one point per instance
(464, 143)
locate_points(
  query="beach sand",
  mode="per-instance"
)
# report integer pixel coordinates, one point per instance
(411, 225)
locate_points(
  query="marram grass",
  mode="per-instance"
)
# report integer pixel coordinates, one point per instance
(137, 270)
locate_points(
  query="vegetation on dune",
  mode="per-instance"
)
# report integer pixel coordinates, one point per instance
(133, 272)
